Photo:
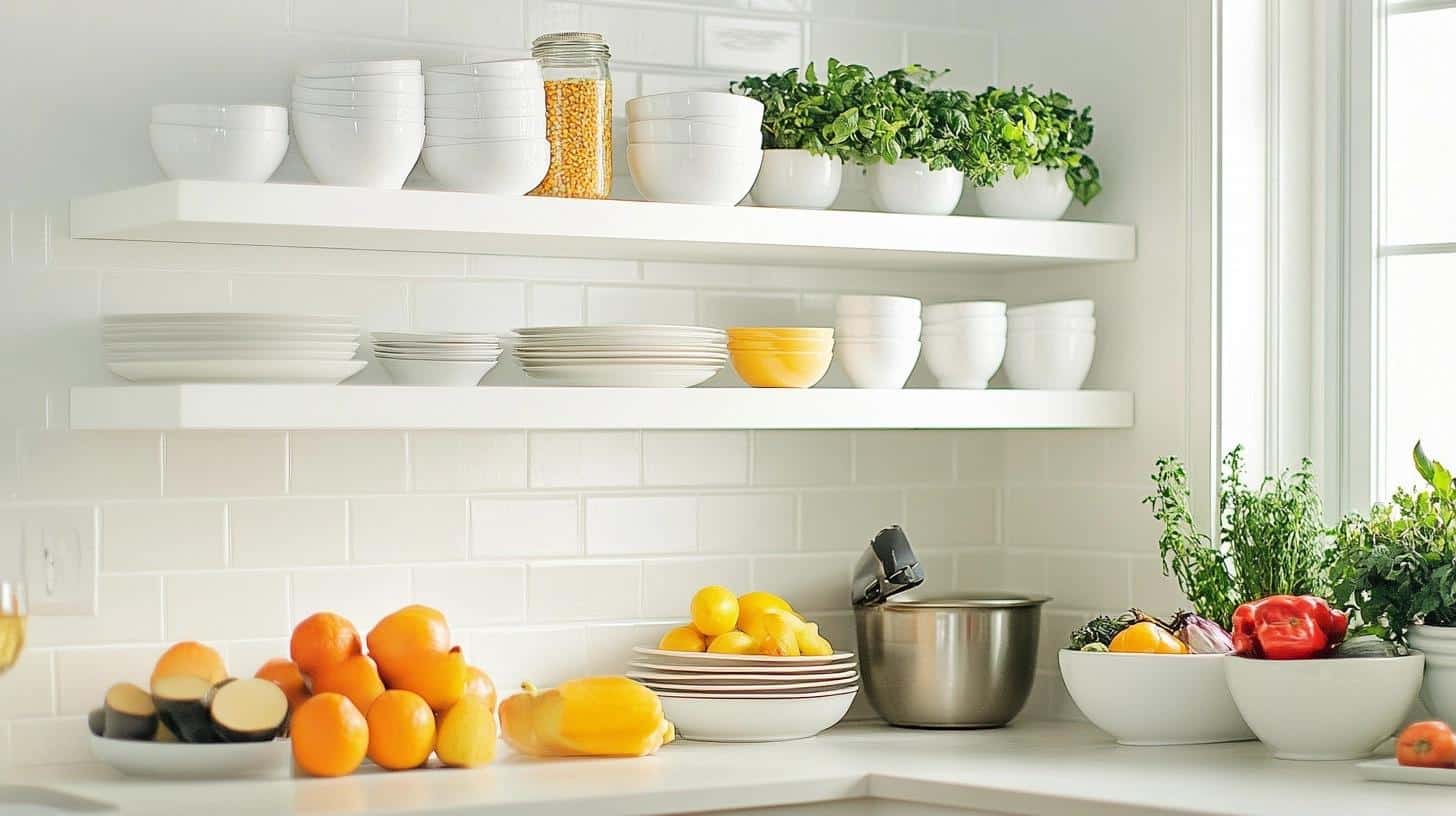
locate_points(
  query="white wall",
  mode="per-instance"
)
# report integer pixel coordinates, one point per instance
(552, 553)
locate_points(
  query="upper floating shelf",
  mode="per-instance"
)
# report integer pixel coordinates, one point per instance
(218, 212)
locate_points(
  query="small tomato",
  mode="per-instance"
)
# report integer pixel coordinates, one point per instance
(1428, 744)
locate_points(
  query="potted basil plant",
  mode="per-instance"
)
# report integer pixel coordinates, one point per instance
(809, 129)
(911, 136)
(1038, 163)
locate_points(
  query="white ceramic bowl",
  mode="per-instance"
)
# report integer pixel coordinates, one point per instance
(504, 127)
(966, 359)
(1328, 708)
(358, 68)
(1149, 699)
(175, 760)
(432, 140)
(693, 174)
(460, 374)
(505, 167)
(753, 719)
(404, 112)
(487, 104)
(693, 104)
(1041, 194)
(869, 326)
(891, 305)
(358, 152)
(217, 154)
(1051, 323)
(508, 68)
(689, 131)
(964, 325)
(318, 96)
(449, 83)
(1064, 308)
(878, 363)
(1438, 689)
(390, 83)
(247, 117)
(798, 180)
(1052, 360)
(944, 312)
(910, 186)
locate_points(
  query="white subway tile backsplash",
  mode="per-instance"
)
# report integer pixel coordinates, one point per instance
(1091, 516)
(542, 655)
(688, 458)
(641, 524)
(609, 645)
(585, 459)
(816, 582)
(969, 56)
(981, 570)
(728, 309)
(128, 610)
(847, 519)
(524, 527)
(467, 461)
(622, 305)
(1152, 590)
(561, 269)
(29, 686)
(644, 34)
(1097, 583)
(225, 463)
(655, 83)
(83, 464)
(147, 291)
(337, 462)
(84, 675)
(498, 23)
(152, 536)
(226, 605)
(751, 43)
(871, 45)
(474, 306)
(47, 742)
(474, 595)
(746, 522)
(901, 457)
(409, 528)
(361, 594)
(1025, 572)
(951, 516)
(583, 590)
(365, 18)
(244, 657)
(668, 584)
(801, 457)
(555, 304)
(378, 304)
(286, 533)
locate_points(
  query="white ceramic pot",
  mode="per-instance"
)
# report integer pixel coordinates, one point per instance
(910, 186)
(1149, 699)
(797, 179)
(1041, 194)
(1438, 689)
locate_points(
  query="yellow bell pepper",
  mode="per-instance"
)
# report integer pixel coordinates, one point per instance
(589, 716)
(1147, 637)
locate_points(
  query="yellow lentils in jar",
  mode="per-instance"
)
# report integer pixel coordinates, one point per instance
(578, 114)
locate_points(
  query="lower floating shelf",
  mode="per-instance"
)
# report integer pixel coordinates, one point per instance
(302, 407)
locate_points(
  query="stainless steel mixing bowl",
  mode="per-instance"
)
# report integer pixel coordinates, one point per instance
(959, 661)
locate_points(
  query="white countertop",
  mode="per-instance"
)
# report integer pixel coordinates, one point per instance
(1030, 768)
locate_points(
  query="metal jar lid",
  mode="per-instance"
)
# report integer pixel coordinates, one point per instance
(970, 600)
(570, 41)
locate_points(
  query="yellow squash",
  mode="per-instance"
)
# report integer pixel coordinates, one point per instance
(589, 716)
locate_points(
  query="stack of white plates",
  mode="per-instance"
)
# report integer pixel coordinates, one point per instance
(626, 356)
(436, 358)
(748, 698)
(214, 347)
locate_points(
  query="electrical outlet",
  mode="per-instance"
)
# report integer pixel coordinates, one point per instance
(58, 545)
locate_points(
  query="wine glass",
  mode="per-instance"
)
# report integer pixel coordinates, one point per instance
(12, 622)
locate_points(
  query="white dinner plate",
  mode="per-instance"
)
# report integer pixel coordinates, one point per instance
(329, 372)
(710, 658)
(176, 760)
(762, 695)
(229, 335)
(809, 672)
(745, 678)
(557, 362)
(619, 330)
(227, 354)
(440, 346)
(623, 341)
(621, 355)
(622, 376)
(231, 345)
(434, 337)
(1389, 770)
(182, 318)
(715, 689)
(567, 348)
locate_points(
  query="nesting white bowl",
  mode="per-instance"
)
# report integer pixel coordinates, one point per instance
(358, 68)
(753, 719)
(216, 153)
(1049, 359)
(460, 374)
(502, 167)
(503, 127)
(693, 174)
(1149, 699)
(509, 102)
(948, 312)
(1065, 308)
(878, 362)
(358, 152)
(965, 359)
(247, 117)
(691, 131)
(509, 69)
(870, 326)
(695, 104)
(1051, 323)
(889, 305)
(320, 96)
(378, 83)
(400, 112)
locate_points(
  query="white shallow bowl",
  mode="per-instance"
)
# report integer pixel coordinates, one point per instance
(944, 312)
(1052, 360)
(876, 306)
(879, 363)
(741, 688)
(503, 127)
(654, 375)
(731, 681)
(893, 326)
(693, 174)
(509, 68)
(320, 96)
(965, 359)
(797, 179)
(1438, 690)
(358, 68)
(711, 719)
(319, 372)
(389, 83)
(1041, 194)
(965, 325)
(357, 152)
(1064, 308)
(458, 374)
(504, 167)
(175, 760)
(248, 117)
(910, 186)
(217, 154)
(1326, 708)
(688, 131)
(1148, 699)
(694, 104)
(819, 671)
(406, 112)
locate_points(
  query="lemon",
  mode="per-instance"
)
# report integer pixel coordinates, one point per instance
(734, 642)
(683, 639)
(811, 643)
(715, 610)
(781, 634)
(751, 607)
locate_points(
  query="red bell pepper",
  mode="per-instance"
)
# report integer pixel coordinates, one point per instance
(1287, 627)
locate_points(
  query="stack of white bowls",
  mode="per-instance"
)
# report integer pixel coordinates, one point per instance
(219, 347)
(436, 358)
(485, 126)
(1050, 345)
(360, 124)
(625, 356)
(747, 698)
(877, 339)
(219, 142)
(694, 147)
(964, 342)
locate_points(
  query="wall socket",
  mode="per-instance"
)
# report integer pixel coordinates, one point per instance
(58, 549)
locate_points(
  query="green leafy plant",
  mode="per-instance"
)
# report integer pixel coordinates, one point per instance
(1396, 566)
(802, 113)
(1031, 129)
(1271, 539)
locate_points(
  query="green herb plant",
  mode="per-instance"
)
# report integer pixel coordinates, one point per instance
(1029, 129)
(802, 113)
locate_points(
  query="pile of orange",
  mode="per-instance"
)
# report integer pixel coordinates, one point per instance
(412, 695)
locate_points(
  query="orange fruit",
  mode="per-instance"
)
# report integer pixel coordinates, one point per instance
(402, 635)
(439, 677)
(356, 678)
(330, 736)
(323, 639)
(191, 658)
(285, 673)
(466, 735)
(479, 683)
(401, 730)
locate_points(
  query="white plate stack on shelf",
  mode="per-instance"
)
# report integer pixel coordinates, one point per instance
(232, 347)
(1050, 345)
(219, 142)
(877, 339)
(436, 358)
(623, 356)
(747, 698)
(485, 126)
(360, 124)
(694, 147)
(964, 342)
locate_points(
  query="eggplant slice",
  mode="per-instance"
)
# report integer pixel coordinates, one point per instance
(96, 721)
(129, 713)
(181, 701)
(251, 710)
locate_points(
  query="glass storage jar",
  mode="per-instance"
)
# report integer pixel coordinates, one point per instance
(578, 114)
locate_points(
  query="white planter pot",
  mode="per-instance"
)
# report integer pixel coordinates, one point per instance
(797, 179)
(1438, 687)
(1041, 194)
(910, 186)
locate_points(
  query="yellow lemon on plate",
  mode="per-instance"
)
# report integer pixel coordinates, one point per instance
(734, 642)
(683, 639)
(752, 606)
(715, 610)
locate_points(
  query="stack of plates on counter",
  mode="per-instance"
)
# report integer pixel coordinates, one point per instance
(748, 698)
(223, 347)
(627, 356)
(436, 358)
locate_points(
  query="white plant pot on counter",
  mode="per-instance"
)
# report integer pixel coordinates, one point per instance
(797, 179)
(910, 186)
(1438, 686)
(1042, 194)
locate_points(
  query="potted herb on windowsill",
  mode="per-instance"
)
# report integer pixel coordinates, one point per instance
(916, 138)
(810, 128)
(1038, 164)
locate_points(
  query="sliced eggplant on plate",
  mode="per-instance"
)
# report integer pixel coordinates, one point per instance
(250, 710)
(96, 721)
(128, 713)
(181, 701)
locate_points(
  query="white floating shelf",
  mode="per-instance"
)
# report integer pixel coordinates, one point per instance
(214, 212)
(290, 407)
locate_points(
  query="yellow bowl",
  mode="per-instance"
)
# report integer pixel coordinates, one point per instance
(782, 345)
(778, 333)
(780, 369)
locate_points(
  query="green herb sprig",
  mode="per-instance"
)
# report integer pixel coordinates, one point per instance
(1032, 129)
(803, 113)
